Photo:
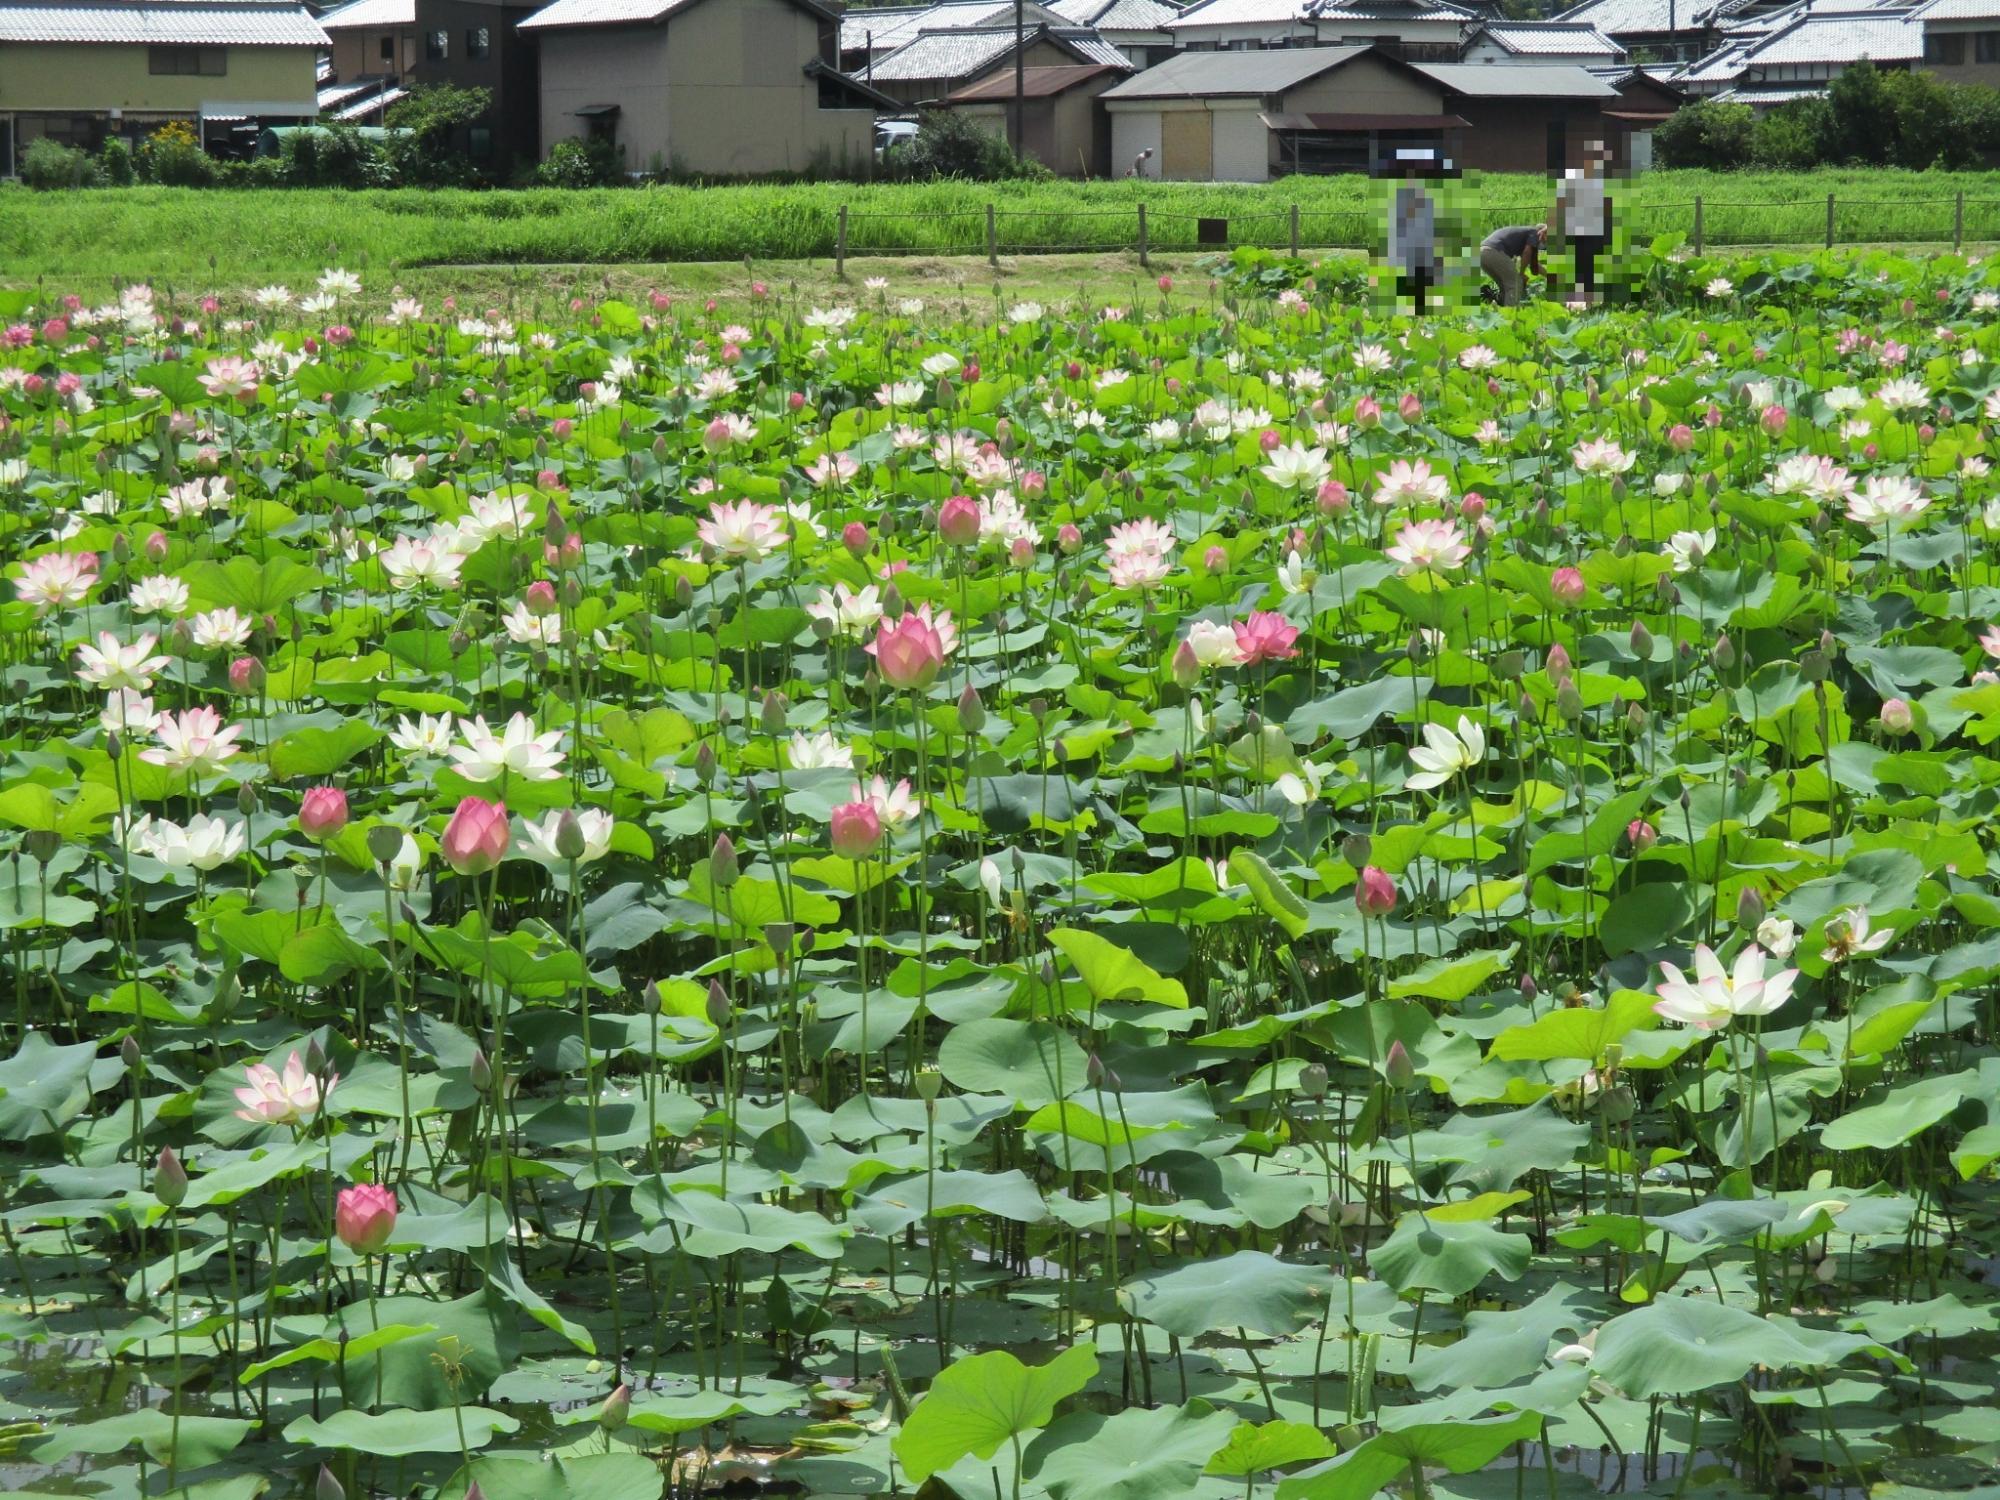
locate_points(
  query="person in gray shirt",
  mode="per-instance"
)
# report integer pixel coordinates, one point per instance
(1506, 253)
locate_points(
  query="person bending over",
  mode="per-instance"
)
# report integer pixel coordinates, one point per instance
(1508, 254)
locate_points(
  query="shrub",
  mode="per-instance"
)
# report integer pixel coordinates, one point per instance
(949, 144)
(1706, 134)
(115, 161)
(1792, 136)
(334, 156)
(579, 164)
(428, 153)
(172, 157)
(50, 165)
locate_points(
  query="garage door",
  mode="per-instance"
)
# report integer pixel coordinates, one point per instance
(1187, 145)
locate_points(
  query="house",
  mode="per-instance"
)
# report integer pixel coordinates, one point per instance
(1251, 116)
(372, 39)
(1645, 102)
(1433, 29)
(1961, 39)
(1137, 28)
(710, 87)
(933, 65)
(81, 71)
(1658, 31)
(471, 44)
(1062, 125)
(1529, 42)
(1795, 53)
(1528, 119)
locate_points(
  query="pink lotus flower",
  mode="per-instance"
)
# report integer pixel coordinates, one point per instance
(323, 813)
(958, 521)
(910, 652)
(857, 830)
(364, 1217)
(192, 741)
(229, 377)
(57, 578)
(1568, 586)
(742, 531)
(477, 837)
(1266, 636)
(1375, 892)
(289, 1098)
(1429, 547)
(1897, 716)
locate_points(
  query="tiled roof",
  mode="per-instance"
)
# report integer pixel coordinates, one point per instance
(334, 96)
(1959, 10)
(1217, 75)
(1242, 13)
(198, 23)
(1765, 98)
(1117, 15)
(884, 29)
(1333, 12)
(372, 14)
(1841, 37)
(1550, 39)
(1720, 66)
(367, 107)
(1649, 17)
(1518, 81)
(1036, 83)
(567, 13)
(970, 51)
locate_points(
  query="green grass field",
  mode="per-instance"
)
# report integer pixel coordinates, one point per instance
(191, 235)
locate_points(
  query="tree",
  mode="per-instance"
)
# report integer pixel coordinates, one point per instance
(1863, 127)
(428, 154)
(1793, 136)
(1705, 134)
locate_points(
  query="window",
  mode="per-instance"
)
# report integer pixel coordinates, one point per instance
(388, 50)
(437, 45)
(1948, 49)
(187, 62)
(1986, 46)
(477, 43)
(479, 141)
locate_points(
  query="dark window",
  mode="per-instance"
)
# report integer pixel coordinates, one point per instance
(187, 62)
(1948, 49)
(1986, 46)
(437, 45)
(388, 49)
(477, 44)
(479, 141)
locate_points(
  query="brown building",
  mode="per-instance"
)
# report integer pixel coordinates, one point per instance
(719, 88)
(1062, 125)
(933, 65)
(372, 39)
(1534, 118)
(476, 44)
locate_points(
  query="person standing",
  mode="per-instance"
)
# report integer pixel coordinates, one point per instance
(1586, 217)
(1508, 255)
(1413, 252)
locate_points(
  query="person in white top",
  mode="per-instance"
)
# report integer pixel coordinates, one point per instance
(1585, 210)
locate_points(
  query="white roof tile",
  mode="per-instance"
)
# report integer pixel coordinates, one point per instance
(195, 23)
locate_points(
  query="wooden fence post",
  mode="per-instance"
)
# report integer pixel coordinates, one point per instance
(1142, 236)
(1829, 221)
(1295, 229)
(1697, 223)
(992, 240)
(840, 247)
(1958, 221)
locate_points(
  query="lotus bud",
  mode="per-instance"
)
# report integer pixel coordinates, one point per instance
(1641, 835)
(170, 1179)
(704, 763)
(1896, 716)
(1749, 908)
(41, 844)
(1312, 1080)
(617, 1407)
(1397, 1067)
(1813, 666)
(327, 1487)
(771, 713)
(971, 712)
(1529, 989)
(1374, 892)
(1355, 849)
(718, 1006)
(1618, 1103)
(930, 1083)
(1509, 664)
(1723, 654)
(1569, 702)
(385, 842)
(1186, 666)
(1641, 641)
(481, 1070)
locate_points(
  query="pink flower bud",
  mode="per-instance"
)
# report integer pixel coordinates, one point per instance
(1186, 666)
(1774, 420)
(364, 1217)
(1568, 586)
(1557, 665)
(1166, 285)
(958, 521)
(1021, 552)
(1215, 559)
(1926, 432)
(1472, 506)
(1069, 539)
(562, 427)
(246, 674)
(796, 401)
(1367, 412)
(1641, 835)
(854, 537)
(1333, 498)
(1872, 452)
(1680, 437)
(1409, 408)
(1375, 892)
(1896, 716)
(1713, 416)
(323, 813)
(476, 838)
(540, 597)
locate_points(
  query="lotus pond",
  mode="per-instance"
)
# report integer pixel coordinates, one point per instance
(1234, 895)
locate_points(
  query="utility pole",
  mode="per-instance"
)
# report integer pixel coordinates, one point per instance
(1019, 133)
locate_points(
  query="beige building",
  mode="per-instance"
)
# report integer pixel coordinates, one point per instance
(372, 38)
(84, 70)
(722, 88)
(1062, 125)
(1961, 40)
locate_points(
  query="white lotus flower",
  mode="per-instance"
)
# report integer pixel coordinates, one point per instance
(1444, 755)
(1717, 995)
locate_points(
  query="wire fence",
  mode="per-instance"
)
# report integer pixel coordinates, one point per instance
(1704, 222)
